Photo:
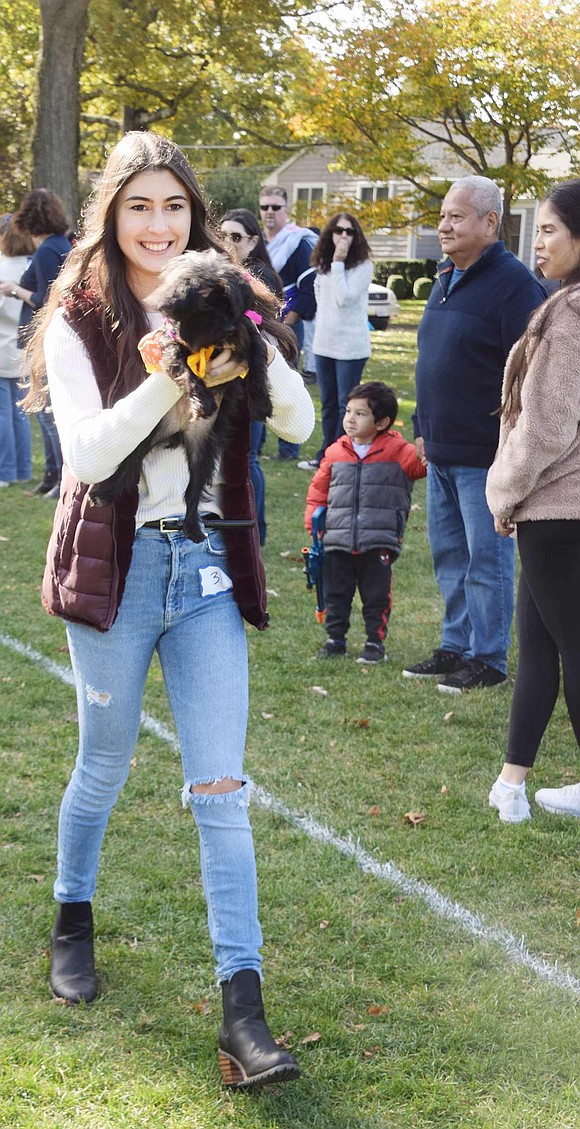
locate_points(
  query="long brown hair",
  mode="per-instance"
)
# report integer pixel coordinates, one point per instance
(359, 250)
(97, 263)
(564, 199)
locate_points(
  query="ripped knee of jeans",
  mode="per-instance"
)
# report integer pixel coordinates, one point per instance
(223, 789)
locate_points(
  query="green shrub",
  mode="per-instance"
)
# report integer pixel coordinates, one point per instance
(398, 285)
(410, 269)
(422, 288)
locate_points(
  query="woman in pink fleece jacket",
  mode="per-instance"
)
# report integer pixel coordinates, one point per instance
(534, 486)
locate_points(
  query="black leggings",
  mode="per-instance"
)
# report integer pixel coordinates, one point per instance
(548, 625)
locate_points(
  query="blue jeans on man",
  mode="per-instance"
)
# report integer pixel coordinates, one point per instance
(474, 566)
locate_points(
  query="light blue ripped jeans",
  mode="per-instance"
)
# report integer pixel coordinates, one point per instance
(177, 602)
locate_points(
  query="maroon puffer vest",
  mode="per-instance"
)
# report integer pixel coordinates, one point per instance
(90, 549)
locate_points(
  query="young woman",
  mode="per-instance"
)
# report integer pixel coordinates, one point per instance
(128, 582)
(42, 216)
(16, 250)
(534, 487)
(243, 236)
(342, 341)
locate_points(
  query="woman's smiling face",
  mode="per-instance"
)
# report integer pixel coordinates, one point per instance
(152, 225)
(557, 251)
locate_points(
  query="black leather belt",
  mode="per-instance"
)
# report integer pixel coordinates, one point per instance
(210, 521)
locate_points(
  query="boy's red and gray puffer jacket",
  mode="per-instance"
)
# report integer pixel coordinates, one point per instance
(368, 499)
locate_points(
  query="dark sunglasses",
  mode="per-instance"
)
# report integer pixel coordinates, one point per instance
(271, 207)
(343, 230)
(235, 236)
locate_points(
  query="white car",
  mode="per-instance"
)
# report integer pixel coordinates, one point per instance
(382, 305)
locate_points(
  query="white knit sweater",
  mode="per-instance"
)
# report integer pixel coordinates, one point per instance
(95, 440)
(536, 473)
(341, 330)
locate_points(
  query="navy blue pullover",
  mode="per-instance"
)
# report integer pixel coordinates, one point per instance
(39, 275)
(464, 339)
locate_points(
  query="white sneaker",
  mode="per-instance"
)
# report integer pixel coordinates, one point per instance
(510, 801)
(560, 801)
(307, 464)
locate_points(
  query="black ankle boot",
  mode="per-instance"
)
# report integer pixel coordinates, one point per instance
(248, 1055)
(72, 970)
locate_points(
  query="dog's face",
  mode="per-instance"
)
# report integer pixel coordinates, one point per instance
(204, 295)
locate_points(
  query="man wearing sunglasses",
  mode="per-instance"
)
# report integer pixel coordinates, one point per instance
(289, 248)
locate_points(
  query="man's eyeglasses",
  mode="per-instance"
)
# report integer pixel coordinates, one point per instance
(271, 207)
(235, 236)
(343, 230)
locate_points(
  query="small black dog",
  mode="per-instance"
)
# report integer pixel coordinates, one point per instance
(207, 300)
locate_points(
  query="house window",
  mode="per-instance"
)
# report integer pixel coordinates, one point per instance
(310, 193)
(305, 197)
(514, 240)
(371, 193)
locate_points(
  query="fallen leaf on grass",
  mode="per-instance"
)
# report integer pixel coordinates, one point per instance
(362, 722)
(444, 790)
(314, 1037)
(415, 817)
(272, 592)
(284, 1040)
(4, 538)
(374, 810)
(202, 1006)
(286, 553)
(267, 716)
(371, 1052)
(324, 924)
(379, 1009)
(448, 716)
(63, 650)
(320, 690)
(578, 918)
(36, 877)
(416, 506)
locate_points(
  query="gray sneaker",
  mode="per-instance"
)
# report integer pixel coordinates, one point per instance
(560, 801)
(372, 653)
(333, 649)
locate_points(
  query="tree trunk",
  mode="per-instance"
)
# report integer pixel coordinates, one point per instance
(55, 146)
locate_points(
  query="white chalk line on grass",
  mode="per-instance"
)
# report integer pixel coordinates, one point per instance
(472, 923)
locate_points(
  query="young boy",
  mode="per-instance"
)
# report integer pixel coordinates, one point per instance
(365, 479)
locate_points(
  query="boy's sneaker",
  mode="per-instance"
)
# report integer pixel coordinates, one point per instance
(471, 675)
(372, 653)
(333, 649)
(560, 801)
(441, 662)
(510, 801)
(308, 464)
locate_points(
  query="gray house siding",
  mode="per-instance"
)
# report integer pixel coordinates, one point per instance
(309, 176)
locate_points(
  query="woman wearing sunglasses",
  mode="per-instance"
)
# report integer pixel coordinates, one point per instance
(243, 237)
(342, 343)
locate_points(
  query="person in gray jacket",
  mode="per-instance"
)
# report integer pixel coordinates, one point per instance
(365, 481)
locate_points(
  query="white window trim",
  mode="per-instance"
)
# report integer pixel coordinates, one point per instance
(521, 243)
(308, 184)
(389, 184)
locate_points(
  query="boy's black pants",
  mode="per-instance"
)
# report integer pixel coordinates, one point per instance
(371, 574)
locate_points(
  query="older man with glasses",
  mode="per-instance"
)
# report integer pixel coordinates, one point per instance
(289, 248)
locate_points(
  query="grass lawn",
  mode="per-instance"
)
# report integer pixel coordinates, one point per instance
(401, 1015)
